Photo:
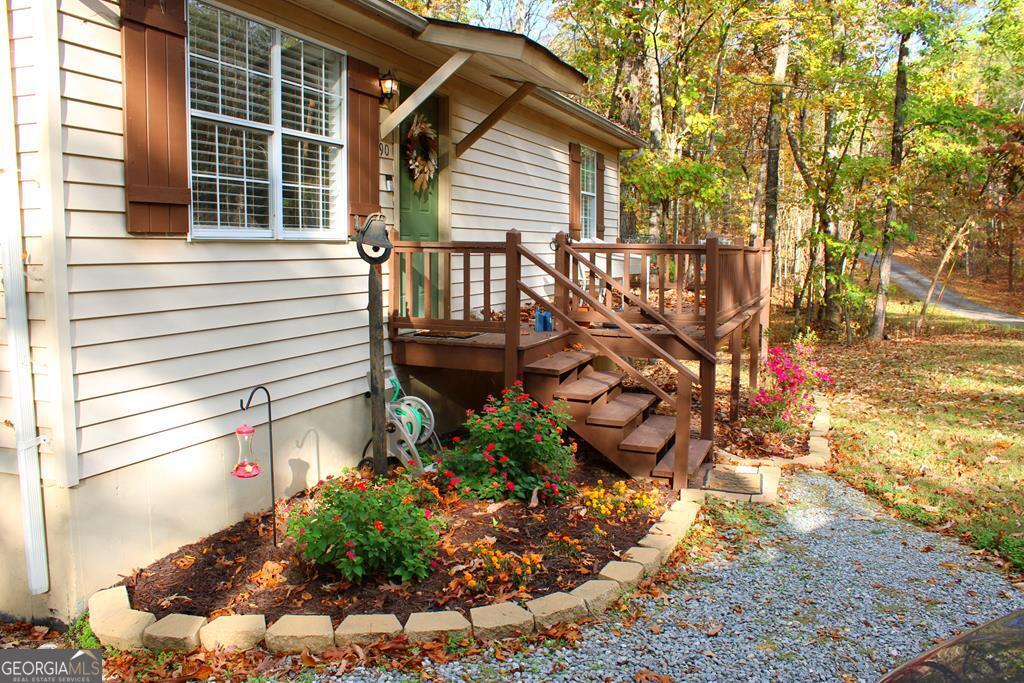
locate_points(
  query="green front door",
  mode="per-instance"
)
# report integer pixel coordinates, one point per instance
(417, 211)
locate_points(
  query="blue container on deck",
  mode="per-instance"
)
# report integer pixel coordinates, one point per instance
(543, 322)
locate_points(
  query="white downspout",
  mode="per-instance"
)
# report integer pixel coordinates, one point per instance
(16, 305)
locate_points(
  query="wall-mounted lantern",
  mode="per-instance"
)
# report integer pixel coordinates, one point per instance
(388, 86)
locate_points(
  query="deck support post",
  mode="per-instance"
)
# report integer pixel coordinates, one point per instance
(684, 392)
(562, 266)
(754, 347)
(736, 351)
(707, 368)
(513, 239)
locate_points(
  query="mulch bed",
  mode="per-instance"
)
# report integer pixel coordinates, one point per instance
(238, 570)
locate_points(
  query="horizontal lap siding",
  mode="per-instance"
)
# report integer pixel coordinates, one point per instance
(167, 334)
(25, 76)
(515, 176)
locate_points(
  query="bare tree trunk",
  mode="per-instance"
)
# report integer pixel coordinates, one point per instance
(520, 26)
(774, 139)
(950, 246)
(888, 243)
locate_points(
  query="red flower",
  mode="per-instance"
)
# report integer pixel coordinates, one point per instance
(350, 544)
(493, 470)
(538, 437)
(351, 555)
(517, 426)
(490, 446)
(336, 518)
(428, 514)
(511, 486)
(456, 439)
(378, 526)
(501, 423)
(503, 459)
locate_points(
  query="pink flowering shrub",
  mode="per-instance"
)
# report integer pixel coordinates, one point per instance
(791, 375)
(514, 446)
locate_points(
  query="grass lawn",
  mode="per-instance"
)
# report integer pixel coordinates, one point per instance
(933, 426)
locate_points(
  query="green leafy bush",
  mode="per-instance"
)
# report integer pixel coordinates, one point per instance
(514, 446)
(380, 528)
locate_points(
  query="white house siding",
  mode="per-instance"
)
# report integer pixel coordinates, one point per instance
(515, 177)
(21, 18)
(167, 334)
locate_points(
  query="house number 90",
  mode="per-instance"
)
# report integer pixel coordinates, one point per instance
(384, 150)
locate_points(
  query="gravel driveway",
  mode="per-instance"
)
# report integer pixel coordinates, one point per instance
(837, 591)
(916, 285)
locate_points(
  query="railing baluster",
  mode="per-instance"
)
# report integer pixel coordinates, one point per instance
(662, 277)
(608, 269)
(410, 295)
(446, 284)
(645, 272)
(428, 286)
(513, 239)
(486, 311)
(467, 284)
(680, 280)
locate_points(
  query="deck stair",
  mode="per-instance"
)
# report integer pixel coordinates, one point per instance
(620, 424)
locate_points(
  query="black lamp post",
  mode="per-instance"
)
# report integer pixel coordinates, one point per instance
(374, 247)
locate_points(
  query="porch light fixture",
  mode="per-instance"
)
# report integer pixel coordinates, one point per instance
(388, 86)
(372, 241)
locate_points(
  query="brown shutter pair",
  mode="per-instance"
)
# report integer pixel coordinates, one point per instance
(363, 141)
(157, 194)
(575, 218)
(156, 122)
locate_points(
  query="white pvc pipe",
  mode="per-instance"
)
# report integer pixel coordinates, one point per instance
(19, 353)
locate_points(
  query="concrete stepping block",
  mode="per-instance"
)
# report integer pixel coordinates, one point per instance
(122, 628)
(174, 632)
(770, 477)
(298, 632)
(238, 631)
(503, 620)
(557, 608)
(689, 496)
(598, 594)
(648, 558)
(673, 530)
(423, 626)
(627, 574)
(663, 544)
(109, 600)
(683, 515)
(362, 629)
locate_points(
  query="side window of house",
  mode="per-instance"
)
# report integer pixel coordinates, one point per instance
(267, 130)
(588, 193)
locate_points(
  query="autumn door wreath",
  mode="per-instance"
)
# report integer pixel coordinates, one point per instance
(421, 153)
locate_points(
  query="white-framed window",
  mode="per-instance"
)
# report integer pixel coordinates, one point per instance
(588, 193)
(267, 130)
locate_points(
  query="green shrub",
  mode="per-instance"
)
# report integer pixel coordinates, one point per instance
(364, 529)
(80, 634)
(514, 446)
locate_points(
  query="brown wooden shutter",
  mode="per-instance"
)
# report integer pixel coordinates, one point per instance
(574, 190)
(599, 200)
(157, 194)
(363, 141)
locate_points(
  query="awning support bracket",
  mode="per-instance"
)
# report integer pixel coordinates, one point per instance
(499, 113)
(419, 96)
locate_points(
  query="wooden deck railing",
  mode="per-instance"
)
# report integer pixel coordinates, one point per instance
(454, 286)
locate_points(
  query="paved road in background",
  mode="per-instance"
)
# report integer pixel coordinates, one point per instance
(916, 284)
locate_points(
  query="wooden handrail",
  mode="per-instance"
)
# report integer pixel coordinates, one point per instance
(638, 336)
(646, 308)
(616, 358)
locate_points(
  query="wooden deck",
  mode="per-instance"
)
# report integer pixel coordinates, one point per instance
(461, 306)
